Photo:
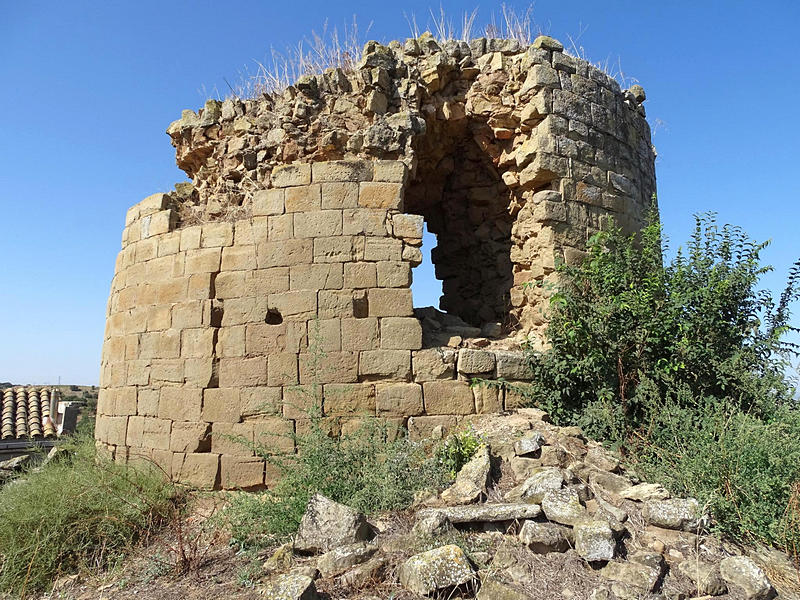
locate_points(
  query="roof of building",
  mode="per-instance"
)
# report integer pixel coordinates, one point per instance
(26, 413)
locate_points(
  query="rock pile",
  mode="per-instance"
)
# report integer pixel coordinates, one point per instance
(538, 512)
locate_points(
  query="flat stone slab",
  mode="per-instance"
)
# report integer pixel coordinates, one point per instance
(484, 513)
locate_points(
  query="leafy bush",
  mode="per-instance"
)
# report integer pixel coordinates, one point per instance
(455, 451)
(683, 365)
(373, 469)
(80, 511)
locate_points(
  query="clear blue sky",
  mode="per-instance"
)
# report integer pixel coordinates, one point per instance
(88, 89)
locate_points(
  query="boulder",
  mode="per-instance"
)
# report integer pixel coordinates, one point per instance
(534, 488)
(437, 569)
(743, 573)
(563, 506)
(642, 571)
(644, 492)
(594, 540)
(327, 524)
(542, 538)
(609, 481)
(529, 444)
(677, 513)
(372, 570)
(484, 513)
(290, 587)
(705, 576)
(339, 560)
(432, 523)
(599, 458)
(471, 481)
(280, 560)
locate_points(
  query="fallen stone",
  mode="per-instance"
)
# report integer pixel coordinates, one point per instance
(363, 574)
(705, 576)
(645, 492)
(533, 489)
(529, 444)
(339, 560)
(432, 524)
(563, 506)
(16, 463)
(280, 560)
(327, 524)
(600, 458)
(436, 569)
(524, 467)
(743, 573)
(642, 571)
(494, 589)
(290, 587)
(609, 481)
(677, 513)
(614, 511)
(471, 481)
(484, 513)
(542, 538)
(594, 541)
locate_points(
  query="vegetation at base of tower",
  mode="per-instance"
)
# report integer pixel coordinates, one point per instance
(683, 365)
(79, 512)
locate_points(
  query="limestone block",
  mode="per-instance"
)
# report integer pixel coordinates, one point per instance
(359, 334)
(390, 302)
(436, 569)
(239, 258)
(260, 401)
(159, 318)
(235, 439)
(197, 343)
(512, 365)
(434, 363)
(431, 427)
(327, 333)
(448, 398)
(383, 249)
(401, 333)
(135, 434)
(153, 204)
(215, 235)
(180, 404)
(394, 364)
(399, 399)
(339, 195)
(336, 303)
(472, 361)
(190, 237)
(199, 287)
(231, 341)
(390, 171)
(333, 249)
(324, 276)
(189, 437)
(300, 402)
(412, 255)
(285, 253)
(364, 221)
(341, 170)
(146, 402)
(280, 227)
(282, 369)
(273, 436)
(200, 470)
(125, 401)
(221, 405)
(333, 367)
(514, 395)
(303, 199)
(348, 399)
(240, 311)
(290, 175)
(156, 432)
(381, 195)
(360, 275)
(114, 430)
(487, 399)
(393, 274)
(318, 223)
(205, 260)
(295, 305)
(268, 202)
(407, 226)
(239, 472)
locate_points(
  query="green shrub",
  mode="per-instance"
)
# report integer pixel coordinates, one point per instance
(456, 450)
(682, 364)
(373, 469)
(77, 512)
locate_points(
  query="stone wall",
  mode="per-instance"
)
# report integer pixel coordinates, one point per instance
(280, 278)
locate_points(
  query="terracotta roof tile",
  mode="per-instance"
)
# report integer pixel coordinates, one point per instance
(26, 413)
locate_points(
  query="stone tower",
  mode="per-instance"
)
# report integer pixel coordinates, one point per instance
(285, 266)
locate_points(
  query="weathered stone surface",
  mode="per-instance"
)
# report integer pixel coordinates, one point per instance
(431, 523)
(339, 560)
(436, 569)
(471, 481)
(528, 444)
(327, 525)
(533, 489)
(494, 589)
(609, 481)
(484, 513)
(290, 587)
(705, 575)
(365, 573)
(743, 573)
(683, 514)
(645, 492)
(563, 506)
(594, 540)
(542, 538)
(642, 571)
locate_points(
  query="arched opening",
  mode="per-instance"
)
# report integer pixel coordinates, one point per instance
(465, 203)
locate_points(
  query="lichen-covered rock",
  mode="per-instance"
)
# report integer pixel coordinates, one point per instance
(705, 576)
(595, 541)
(528, 444)
(280, 560)
(495, 589)
(360, 575)
(290, 587)
(677, 513)
(327, 524)
(600, 458)
(563, 506)
(645, 492)
(542, 538)
(533, 489)
(743, 573)
(471, 481)
(437, 569)
(642, 571)
(484, 513)
(609, 481)
(340, 559)
(431, 523)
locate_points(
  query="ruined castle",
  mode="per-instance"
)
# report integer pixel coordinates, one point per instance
(279, 278)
